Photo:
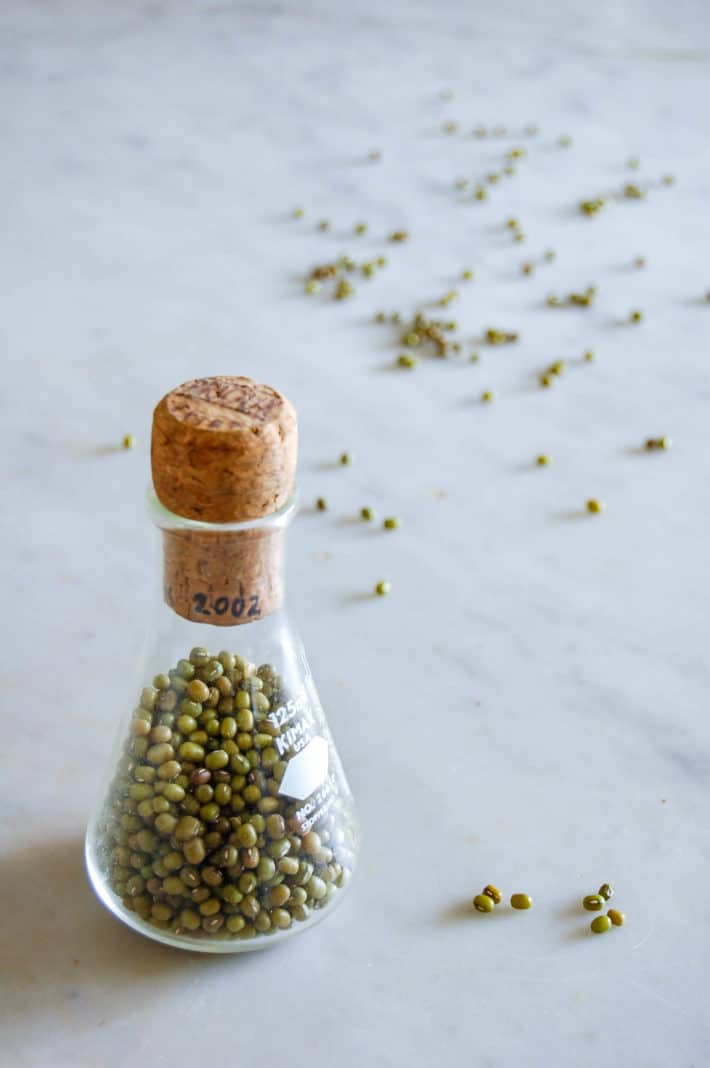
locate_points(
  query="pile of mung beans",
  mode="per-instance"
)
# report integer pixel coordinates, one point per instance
(195, 837)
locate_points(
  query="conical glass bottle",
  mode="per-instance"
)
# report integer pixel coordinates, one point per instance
(227, 823)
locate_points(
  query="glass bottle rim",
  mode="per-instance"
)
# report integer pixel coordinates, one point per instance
(163, 518)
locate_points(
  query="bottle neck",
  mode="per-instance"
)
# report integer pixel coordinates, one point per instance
(223, 575)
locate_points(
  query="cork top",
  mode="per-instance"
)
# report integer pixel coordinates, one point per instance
(224, 449)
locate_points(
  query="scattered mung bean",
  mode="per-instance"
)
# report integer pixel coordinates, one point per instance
(407, 361)
(658, 443)
(493, 893)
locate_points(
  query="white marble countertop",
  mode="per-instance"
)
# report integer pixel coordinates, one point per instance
(529, 706)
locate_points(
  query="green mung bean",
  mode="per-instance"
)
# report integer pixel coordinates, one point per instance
(483, 903)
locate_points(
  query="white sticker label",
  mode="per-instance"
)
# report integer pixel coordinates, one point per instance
(306, 771)
(308, 777)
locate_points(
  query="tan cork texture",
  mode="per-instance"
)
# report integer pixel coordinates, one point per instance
(224, 450)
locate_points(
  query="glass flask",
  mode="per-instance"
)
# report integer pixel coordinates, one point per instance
(227, 824)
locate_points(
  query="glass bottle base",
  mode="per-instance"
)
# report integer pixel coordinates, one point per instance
(227, 824)
(224, 941)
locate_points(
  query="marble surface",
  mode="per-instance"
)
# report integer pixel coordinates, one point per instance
(529, 706)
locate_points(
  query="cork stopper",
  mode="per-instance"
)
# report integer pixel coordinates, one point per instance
(224, 451)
